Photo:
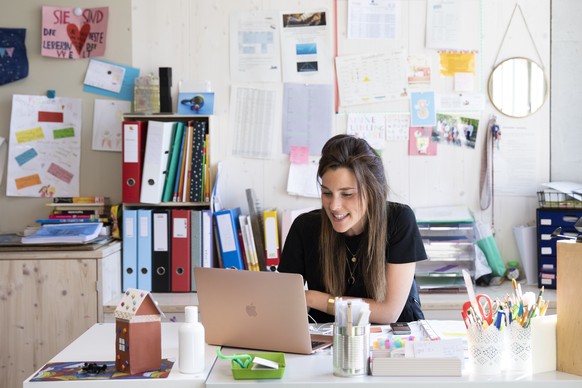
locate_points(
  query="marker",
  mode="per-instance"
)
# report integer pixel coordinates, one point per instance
(515, 287)
(500, 315)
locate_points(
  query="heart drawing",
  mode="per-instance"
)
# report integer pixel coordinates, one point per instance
(78, 38)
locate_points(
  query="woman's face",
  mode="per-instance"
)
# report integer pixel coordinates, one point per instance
(341, 201)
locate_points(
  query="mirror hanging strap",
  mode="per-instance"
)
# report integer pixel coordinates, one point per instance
(518, 7)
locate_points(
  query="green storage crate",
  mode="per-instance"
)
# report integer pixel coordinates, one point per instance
(240, 373)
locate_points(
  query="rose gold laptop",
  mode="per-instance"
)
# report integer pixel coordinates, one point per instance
(255, 310)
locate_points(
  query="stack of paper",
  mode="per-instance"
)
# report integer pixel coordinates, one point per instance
(387, 366)
(573, 189)
(64, 233)
(443, 214)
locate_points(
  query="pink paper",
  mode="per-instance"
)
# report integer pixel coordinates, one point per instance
(73, 33)
(299, 155)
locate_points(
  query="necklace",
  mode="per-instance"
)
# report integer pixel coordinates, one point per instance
(354, 259)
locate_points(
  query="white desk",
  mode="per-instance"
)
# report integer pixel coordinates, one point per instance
(317, 369)
(98, 344)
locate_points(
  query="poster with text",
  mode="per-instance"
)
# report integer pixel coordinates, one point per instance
(44, 152)
(72, 33)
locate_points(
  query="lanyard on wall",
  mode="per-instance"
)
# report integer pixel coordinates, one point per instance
(486, 181)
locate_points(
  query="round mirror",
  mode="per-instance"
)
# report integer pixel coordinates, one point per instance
(517, 87)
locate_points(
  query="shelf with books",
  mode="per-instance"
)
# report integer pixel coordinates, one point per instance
(167, 220)
(168, 204)
(166, 158)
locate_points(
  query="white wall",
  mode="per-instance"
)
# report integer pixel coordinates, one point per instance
(566, 142)
(192, 38)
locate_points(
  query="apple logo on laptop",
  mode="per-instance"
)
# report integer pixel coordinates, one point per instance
(251, 310)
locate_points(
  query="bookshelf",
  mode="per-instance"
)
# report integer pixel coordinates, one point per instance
(208, 122)
(175, 212)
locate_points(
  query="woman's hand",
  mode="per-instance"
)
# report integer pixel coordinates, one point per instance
(316, 300)
(399, 279)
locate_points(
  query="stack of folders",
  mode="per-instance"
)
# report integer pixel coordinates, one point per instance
(240, 240)
(418, 355)
(165, 161)
(162, 246)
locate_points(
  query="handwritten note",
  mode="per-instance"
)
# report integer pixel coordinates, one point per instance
(452, 347)
(72, 33)
(104, 75)
(44, 156)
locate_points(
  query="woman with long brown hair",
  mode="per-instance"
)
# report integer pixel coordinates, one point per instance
(358, 245)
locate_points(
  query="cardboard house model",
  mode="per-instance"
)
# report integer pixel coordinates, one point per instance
(138, 333)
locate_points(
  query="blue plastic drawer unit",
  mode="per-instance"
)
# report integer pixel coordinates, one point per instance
(548, 220)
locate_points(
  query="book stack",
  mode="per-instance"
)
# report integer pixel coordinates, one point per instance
(188, 177)
(78, 210)
(173, 166)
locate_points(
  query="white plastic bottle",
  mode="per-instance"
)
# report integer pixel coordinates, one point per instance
(191, 343)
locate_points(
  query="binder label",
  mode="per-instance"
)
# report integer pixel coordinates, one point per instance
(130, 144)
(144, 226)
(180, 228)
(226, 232)
(160, 239)
(129, 227)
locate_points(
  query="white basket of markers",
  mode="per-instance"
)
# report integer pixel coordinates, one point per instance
(522, 308)
(485, 349)
(518, 347)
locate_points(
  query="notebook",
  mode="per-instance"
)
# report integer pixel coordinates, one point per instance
(255, 310)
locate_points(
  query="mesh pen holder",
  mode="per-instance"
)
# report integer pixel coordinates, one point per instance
(519, 347)
(351, 347)
(485, 349)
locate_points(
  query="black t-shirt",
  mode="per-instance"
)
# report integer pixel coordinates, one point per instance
(301, 255)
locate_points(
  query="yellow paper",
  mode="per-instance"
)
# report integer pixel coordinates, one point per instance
(457, 62)
(29, 135)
